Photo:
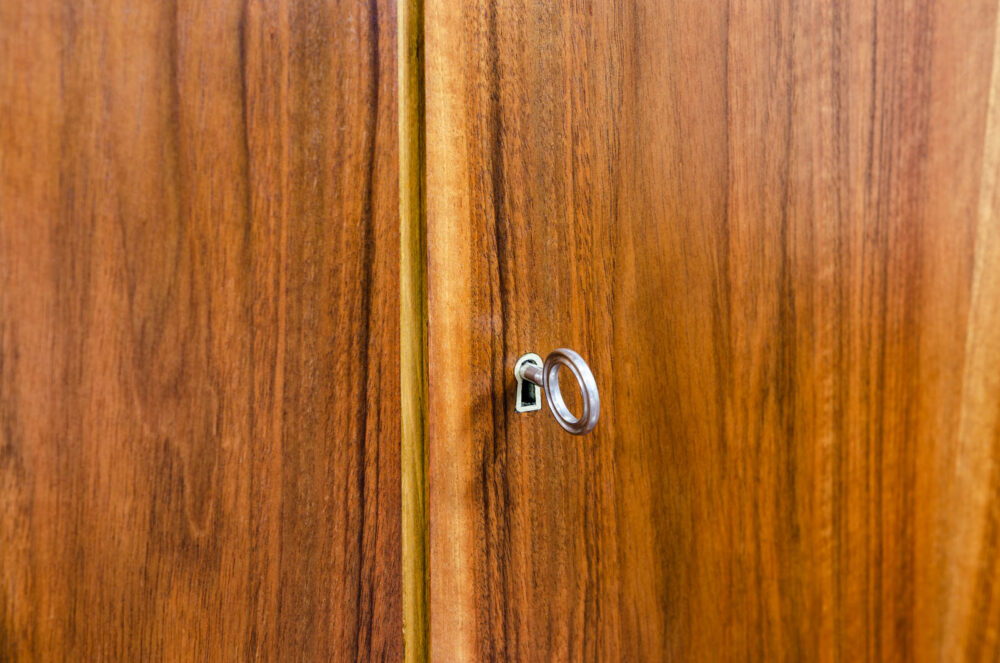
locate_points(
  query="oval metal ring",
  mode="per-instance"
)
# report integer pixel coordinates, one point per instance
(588, 391)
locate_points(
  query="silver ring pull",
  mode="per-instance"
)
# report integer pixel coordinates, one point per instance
(530, 371)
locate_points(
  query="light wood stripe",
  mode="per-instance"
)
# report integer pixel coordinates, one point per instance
(413, 332)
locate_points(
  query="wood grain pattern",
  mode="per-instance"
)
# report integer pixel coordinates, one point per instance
(772, 230)
(198, 327)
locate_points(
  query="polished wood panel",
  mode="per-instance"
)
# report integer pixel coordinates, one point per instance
(772, 230)
(198, 330)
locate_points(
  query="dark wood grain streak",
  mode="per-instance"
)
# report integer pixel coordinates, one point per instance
(198, 331)
(771, 228)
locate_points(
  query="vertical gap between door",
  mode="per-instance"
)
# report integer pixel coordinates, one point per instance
(413, 331)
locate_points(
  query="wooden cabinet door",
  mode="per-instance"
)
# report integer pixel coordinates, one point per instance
(771, 228)
(198, 331)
